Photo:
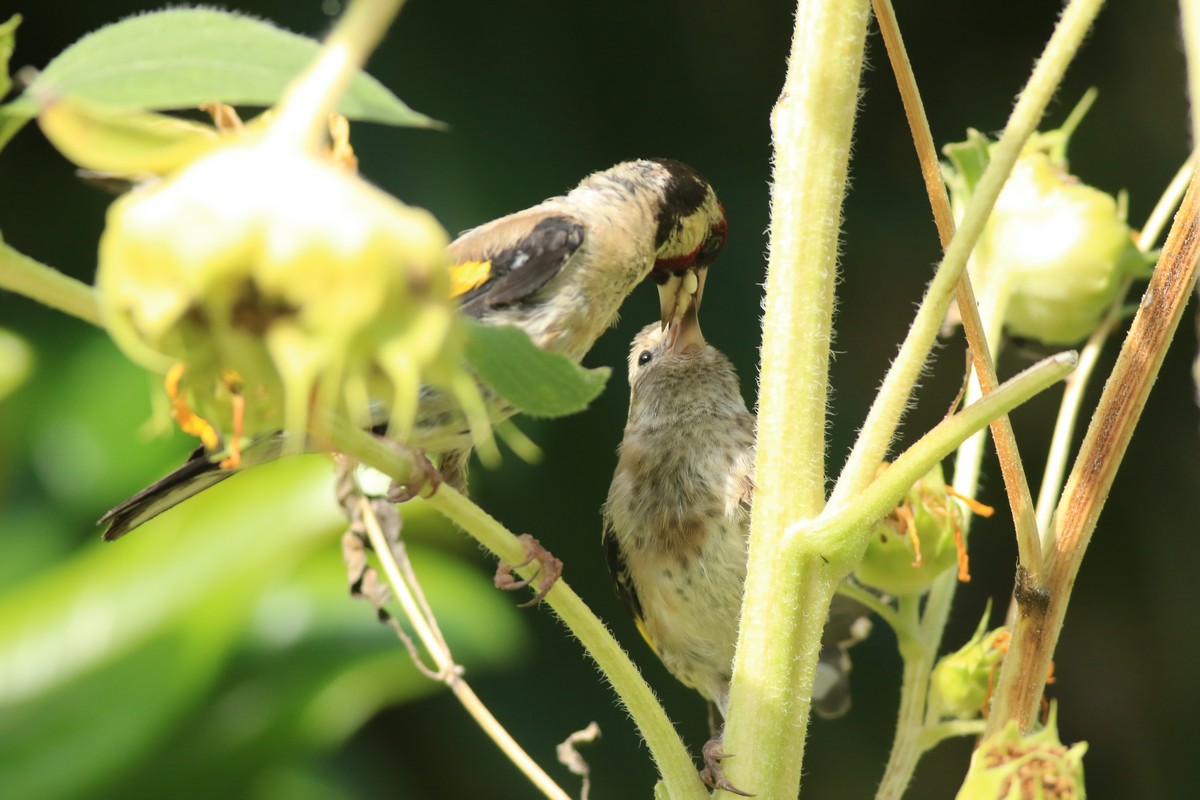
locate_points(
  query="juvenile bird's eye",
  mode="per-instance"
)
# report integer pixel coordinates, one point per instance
(644, 358)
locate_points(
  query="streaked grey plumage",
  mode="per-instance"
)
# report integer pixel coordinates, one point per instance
(676, 521)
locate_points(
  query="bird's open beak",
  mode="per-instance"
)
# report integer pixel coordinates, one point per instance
(681, 292)
(684, 335)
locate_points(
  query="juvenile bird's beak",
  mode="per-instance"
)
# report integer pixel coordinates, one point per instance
(680, 292)
(685, 334)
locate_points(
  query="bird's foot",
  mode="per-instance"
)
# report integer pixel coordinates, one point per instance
(425, 476)
(712, 774)
(549, 568)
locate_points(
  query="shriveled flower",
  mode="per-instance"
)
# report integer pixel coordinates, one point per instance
(918, 541)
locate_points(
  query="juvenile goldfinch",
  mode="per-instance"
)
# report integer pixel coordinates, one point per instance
(677, 518)
(559, 271)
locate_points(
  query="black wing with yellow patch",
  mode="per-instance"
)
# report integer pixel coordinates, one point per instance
(623, 582)
(504, 273)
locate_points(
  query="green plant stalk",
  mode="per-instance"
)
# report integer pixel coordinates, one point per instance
(783, 609)
(21, 274)
(933, 735)
(1039, 621)
(910, 718)
(303, 112)
(914, 689)
(840, 536)
(892, 400)
(669, 753)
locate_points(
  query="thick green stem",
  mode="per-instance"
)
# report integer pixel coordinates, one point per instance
(21, 274)
(786, 599)
(674, 763)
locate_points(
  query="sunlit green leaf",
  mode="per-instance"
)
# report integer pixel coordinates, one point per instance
(184, 57)
(538, 383)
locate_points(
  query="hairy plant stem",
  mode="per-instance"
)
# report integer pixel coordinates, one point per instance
(672, 758)
(1039, 621)
(787, 597)
(21, 274)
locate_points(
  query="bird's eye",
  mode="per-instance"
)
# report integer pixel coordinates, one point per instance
(644, 358)
(711, 248)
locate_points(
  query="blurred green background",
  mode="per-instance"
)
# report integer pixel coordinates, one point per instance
(215, 651)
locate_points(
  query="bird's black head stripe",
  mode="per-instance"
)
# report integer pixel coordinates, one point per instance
(684, 194)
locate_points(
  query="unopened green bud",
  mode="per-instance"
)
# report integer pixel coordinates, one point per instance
(1009, 766)
(961, 681)
(277, 278)
(917, 542)
(1055, 250)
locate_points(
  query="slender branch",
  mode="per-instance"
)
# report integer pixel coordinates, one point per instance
(785, 603)
(934, 735)
(1035, 635)
(828, 535)
(672, 758)
(910, 718)
(411, 598)
(881, 609)
(21, 274)
(880, 426)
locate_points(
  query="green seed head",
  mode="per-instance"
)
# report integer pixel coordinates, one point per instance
(1009, 766)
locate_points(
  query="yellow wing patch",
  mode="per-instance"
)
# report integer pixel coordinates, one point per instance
(645, 632)
(469, 275)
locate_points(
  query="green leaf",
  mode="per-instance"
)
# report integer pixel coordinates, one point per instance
(969, 159)
(8, 37)
(184, 57)
(538, 383)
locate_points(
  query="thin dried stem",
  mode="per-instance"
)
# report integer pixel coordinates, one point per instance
(407, 590)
